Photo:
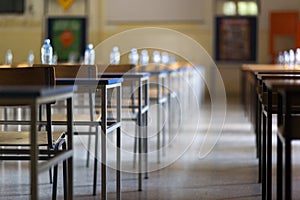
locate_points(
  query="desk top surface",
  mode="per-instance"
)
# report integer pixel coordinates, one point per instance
(268, 68)
(124, 75)
(88, 81)
(33, 91)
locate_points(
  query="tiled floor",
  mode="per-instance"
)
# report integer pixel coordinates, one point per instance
(229, 171)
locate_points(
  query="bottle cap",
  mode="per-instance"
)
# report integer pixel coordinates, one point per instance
(115, 48)
(47, 41)
(90, 46)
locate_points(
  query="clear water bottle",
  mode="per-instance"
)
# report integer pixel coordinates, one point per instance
(172, 58)
(89, 55)
(286, 56)
(133, 56)
(144, 60)
(30, 58)
(280, 58)
(115, 56)
(8, 57)
(156, 57)
(165, 58)
(292, 57)
(46, 52)
(297, 57)
(55, 58)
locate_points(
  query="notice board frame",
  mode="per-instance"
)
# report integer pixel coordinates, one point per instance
(68, 35)
(236, 38)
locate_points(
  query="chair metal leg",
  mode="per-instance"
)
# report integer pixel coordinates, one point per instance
(88, 149)
(96, 161)
(54, 186)
(65, 180)
(65, 175)
(164, 130)
(135, 144)
(158, 133)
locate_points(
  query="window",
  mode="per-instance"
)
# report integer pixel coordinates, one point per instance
(237, 7)
(12, 6)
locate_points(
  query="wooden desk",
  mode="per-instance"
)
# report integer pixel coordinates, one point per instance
(33, 96)
(288, 90)
(107, 125)
(270, 107)
(252, 78)
(248, 82)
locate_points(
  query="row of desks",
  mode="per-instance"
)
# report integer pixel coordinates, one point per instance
(34, 96)
(266, 90)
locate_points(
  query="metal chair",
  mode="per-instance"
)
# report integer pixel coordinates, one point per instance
(12, 140)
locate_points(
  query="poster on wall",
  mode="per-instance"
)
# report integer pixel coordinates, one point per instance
(235, 39)
(68, 37)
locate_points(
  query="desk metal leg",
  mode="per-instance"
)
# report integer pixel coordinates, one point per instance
(279, 168)
(263, 157)
(119, 167)
(145, 122)
(70, 147)
(34, 153)
(118, 172)
(140, 139)
(103, 144)
(258, 139)
(269, 146)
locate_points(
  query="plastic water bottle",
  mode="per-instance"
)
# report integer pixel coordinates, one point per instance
(30, 58)
(297, 57)
(133, 56)
(144, 60)
(286, 59)
(89, 55)
(280, 58)
(156, 57)
(165, 58)
(46, 52)
(115, 56)
(8, 57)
(54, 58)
(292, 57)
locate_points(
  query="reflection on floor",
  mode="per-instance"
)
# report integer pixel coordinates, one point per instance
(227, 170)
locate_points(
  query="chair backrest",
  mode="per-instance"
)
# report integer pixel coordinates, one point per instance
(27, 76)
(121, 68)
(72, 71)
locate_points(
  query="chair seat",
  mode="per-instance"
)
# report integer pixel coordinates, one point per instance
(76, 117)
(22, 138)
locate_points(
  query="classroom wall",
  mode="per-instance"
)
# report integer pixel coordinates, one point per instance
(26, 32)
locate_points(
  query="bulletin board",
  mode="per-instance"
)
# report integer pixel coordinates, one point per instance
(235, 38)
(68, 36)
